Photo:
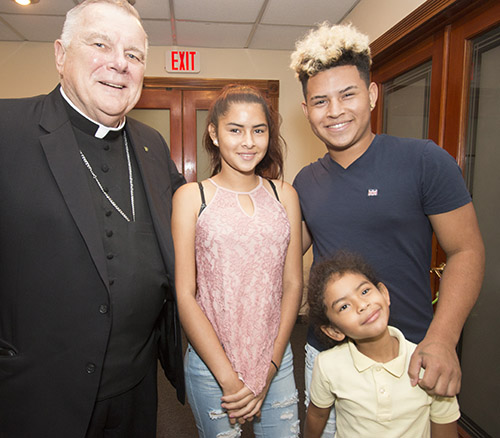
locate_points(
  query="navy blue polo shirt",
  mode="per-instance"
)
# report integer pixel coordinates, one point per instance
(379, 207)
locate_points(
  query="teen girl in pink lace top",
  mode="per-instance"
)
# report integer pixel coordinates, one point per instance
(239, 274)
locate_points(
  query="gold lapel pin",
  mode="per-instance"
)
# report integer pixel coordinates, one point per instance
(146, 149)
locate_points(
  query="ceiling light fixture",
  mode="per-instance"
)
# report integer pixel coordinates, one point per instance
(25, 2)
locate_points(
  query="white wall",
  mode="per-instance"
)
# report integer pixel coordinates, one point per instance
(375, 17)
(27, 69)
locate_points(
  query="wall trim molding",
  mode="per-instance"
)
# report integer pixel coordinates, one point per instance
(419, 24)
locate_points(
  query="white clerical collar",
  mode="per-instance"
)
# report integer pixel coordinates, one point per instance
(101, 129)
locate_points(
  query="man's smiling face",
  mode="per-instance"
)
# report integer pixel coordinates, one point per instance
(338, 107)
(102, 68)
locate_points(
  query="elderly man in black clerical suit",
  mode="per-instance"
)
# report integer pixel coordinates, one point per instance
(86, 254)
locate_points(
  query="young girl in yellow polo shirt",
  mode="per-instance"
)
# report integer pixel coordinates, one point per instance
(365, 376)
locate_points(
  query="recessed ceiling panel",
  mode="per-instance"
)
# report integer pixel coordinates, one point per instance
(159, 33)
(277, 37)
(232, 11)
(42, 28)
(6, 33)
(310, 12)
(156, 9)
(215, 35)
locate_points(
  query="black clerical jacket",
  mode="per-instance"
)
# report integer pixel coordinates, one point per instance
(53, 278)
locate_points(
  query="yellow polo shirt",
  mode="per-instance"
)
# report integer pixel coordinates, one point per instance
(375, 399)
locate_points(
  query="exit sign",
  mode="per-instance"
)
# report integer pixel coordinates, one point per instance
(182, 61)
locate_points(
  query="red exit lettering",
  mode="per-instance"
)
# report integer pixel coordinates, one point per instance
(182, 60)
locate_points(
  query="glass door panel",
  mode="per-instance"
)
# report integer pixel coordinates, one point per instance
(161, 108)
(406, 101)
(158, 119)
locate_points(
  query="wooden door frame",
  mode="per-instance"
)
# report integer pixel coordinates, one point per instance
(269, 87)
(423, 22)
(428, 29)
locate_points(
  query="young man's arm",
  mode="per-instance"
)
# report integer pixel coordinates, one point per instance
(316, 419)
(448, 430)
(458, 234)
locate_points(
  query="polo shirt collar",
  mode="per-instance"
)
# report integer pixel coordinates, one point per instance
(396, 366)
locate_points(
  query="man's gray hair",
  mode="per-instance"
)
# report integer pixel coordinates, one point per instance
(73, 17)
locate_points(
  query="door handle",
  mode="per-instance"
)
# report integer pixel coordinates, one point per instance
(438, 270)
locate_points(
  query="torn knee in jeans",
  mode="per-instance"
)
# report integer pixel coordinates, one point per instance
(233, 433)
(295, 429)
(288, 414)
(288, 402)
(217, 414)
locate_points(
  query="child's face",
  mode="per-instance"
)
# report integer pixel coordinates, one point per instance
(356, 308)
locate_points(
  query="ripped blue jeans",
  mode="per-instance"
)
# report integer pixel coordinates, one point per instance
(331, 424)
(279, 412)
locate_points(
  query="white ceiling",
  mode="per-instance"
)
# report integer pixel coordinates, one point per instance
(254, 24)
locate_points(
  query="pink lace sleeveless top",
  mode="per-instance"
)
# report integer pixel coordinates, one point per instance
(239, 261)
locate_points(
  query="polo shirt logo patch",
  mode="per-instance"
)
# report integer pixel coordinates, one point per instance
(372, 192)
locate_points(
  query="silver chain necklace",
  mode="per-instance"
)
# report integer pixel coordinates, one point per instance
(130, 178)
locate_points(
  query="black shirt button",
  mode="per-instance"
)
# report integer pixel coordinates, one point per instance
(108, 213)
(104, 167)
(103, 309)
(111, 282)
(110, 256)
(90, 368)
(106, 147)
(109, 233)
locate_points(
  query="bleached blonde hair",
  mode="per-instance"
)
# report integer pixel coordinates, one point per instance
(328, 46)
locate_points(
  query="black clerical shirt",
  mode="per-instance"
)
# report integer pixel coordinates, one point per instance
(137, 278)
